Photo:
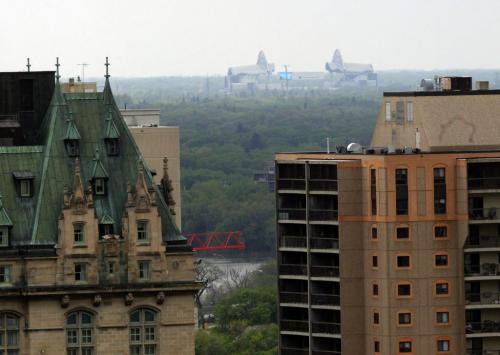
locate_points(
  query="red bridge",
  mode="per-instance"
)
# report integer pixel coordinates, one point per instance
(216, 241)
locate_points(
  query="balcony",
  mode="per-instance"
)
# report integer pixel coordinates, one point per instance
(293, 297)
(297, 214)
(324, 271)
(325, 328)
(293, 325)
(326, 352)
(285, 350)
(323, 215)
(484, 327)
(323, 185)
(484, 298)
(291, 184)
(319, 299)
(485, 269)
(293, 269)
(324, 243)
(482, 352)
(489, 183)
(483, 242)
(288, 241)
(484, 215)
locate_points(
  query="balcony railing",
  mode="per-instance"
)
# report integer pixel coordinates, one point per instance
(483, 183)
(293, 269)
(487, 326)
(326, 352)
(323, 215)
(478, 214)
(482, 352)
(288, 241)
(293, 297)
(483, 298)
(293, 325)
(324, 243)
(486, 269)
(291, 184)
(484, 241)
(323, 185)
(285, 350)
(324, 271)
(292, 213)
(320, 299)
(326, 328)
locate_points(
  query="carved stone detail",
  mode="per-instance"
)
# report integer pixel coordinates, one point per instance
(129, 299)
(160, 298)
(65, 301)
(97, 300)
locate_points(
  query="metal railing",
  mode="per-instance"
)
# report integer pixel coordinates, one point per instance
(483, 183)
(288, 241)
(321, 299)
(292, 213)
(484, 241)
(293, 297)
(325, 328)
(293, 325)
(285, 350)
(324, 243)
(483, 298)
(323, 185)
(326, 352)
(293, 269)
(323, 215)
(324, 271)
(485, 269)
(478, 214)
(291, 184)
(487, 326)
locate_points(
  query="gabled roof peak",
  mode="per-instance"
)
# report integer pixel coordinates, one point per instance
(99, 171)
(111, 129)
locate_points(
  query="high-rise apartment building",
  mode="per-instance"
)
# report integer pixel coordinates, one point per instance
(394, 250)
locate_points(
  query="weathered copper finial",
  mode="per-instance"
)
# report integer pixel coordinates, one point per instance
(107, 68)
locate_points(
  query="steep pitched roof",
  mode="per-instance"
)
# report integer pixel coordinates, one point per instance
(98, 171)
(5, 220)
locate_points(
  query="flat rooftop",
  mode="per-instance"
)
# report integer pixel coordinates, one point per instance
(442, 93)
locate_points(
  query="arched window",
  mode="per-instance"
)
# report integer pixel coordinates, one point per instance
(9, 334)
(142, 333)
(80, 333)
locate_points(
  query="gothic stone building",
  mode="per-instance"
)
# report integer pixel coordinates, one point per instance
(91, 261)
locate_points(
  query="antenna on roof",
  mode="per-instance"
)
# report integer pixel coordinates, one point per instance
(28, 65)
(83, 74)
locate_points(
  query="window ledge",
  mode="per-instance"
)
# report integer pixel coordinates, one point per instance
(76, 245)
(143, 243)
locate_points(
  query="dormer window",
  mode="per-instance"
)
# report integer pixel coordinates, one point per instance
(4, 236)
(24, 183)
(105, 229)
(100, 186)
(72, 147)
(113, 146)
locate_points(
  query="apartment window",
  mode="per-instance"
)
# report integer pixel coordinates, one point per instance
(401, 191)
(142, 231)
(142, 332)
(144, 270)
(405, 346)
(100, 186)
(5, 274)
(81, 272)
(409, 111)
(403, 261)
(25, 188)
(375, 289)
(442, 288)
(78, 233)
(80, 333)
(440, 232)
(400, 112)
(374, 261)
(443, 317)
(387, 111)
(4, 236)
(443, 345)
(105, 229)
(374, 233)
(9, 334)
(376, 318)
(376, 346)
(402, 233)
(404, 290)
(439, 190)
(441, 260)
(404, 318)
(373, 190)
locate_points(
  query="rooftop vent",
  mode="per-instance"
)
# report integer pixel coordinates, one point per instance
(482, 85)
(427, 85)
(354, 148)
(456, 83)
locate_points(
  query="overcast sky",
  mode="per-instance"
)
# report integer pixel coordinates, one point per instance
(199, 37)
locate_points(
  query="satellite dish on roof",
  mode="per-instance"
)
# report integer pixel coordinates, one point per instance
(354, 148)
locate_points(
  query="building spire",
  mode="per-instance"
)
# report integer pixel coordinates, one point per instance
(107, 64)
(57, 69)
(28, 65)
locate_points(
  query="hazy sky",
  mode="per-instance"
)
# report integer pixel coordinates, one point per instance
(198, 37)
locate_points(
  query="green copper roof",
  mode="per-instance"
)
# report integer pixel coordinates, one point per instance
(4, 217)
(35, 220)
(111, 130)
(72, 131)
(107, 219)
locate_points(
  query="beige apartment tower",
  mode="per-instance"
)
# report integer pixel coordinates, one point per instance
(393, 249)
